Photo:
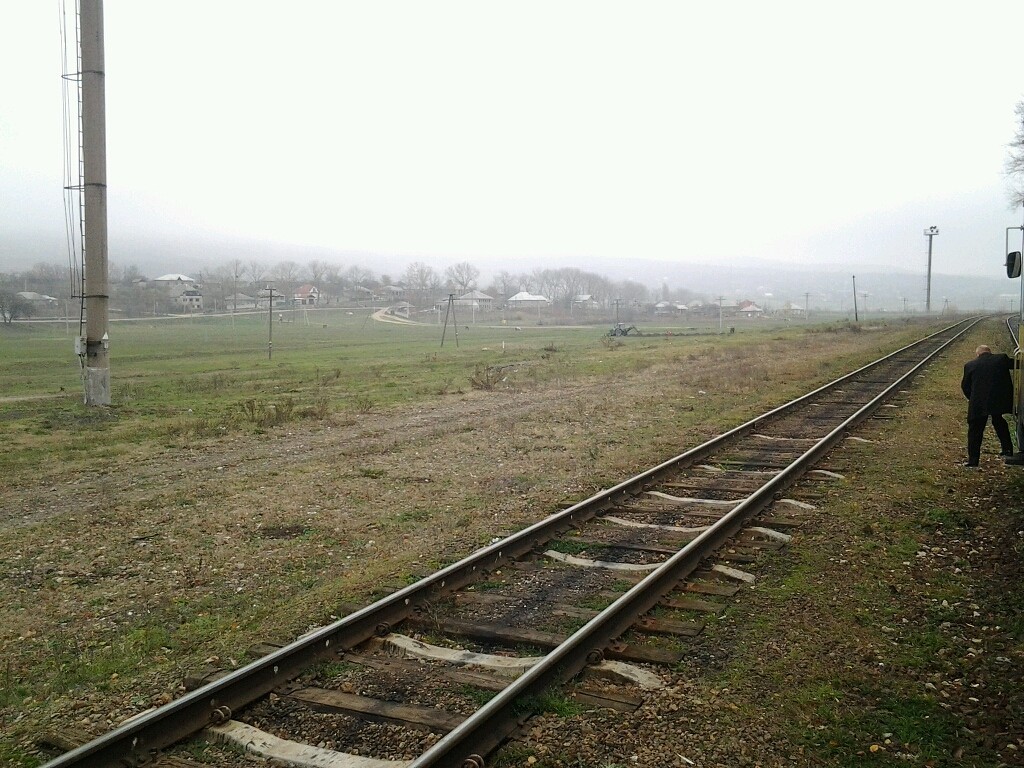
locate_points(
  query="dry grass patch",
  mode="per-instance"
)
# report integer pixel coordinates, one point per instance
(155, 557)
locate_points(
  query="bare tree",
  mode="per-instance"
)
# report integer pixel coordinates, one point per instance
(572, 281)
(51, 276)
(219, 288)
(316, 270)
(233, 272)
(13, 306)
(47, 271)
(51, 279)
(598, 287)
(211, 288)
(632, 294)
(421, 281)
(286, 271)
(528, 281)
(462, 277)
(555, 286)
(257, 272)
(359, 276)
(333, 283)
(287, 275)
(138, 298)
(540, 281)
(1015, 161)
(504, 284)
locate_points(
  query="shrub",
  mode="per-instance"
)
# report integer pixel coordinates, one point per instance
(319, 410)
(485, 378)
(363, 404)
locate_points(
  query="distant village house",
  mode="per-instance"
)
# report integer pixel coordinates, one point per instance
(306, 296)
(40, 303)
(525, 299)
(475, 300)
(183, 291)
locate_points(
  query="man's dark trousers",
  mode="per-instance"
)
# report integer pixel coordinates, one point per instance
(976, 430)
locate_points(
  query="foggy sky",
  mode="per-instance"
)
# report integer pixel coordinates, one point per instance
(534, 133)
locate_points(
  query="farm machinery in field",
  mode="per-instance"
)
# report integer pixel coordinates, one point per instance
(620, 329)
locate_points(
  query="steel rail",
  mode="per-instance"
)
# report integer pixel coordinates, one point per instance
(480, 733)
(138, 738)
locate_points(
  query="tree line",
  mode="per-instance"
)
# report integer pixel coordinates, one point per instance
(133, 295)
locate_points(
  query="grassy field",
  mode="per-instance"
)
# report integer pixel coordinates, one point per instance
(186, 379)
(226, 499)
(341, 348)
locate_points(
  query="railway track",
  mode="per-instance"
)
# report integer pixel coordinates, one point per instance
(443, 671)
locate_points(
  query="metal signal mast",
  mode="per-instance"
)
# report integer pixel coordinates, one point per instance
(930, 233)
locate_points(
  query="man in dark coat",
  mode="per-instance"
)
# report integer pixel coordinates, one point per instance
(988, 387)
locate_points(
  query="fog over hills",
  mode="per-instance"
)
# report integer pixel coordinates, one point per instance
(823, 286)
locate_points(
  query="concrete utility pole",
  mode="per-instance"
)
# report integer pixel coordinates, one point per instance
(95, 356)
(930, 233)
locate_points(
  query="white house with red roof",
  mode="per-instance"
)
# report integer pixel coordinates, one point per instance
(306, 296)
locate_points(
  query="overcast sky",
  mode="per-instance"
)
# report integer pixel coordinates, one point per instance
(560, 133)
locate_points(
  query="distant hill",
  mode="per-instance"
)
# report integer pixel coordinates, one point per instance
(828, 286)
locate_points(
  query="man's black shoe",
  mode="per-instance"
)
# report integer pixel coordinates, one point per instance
(1016, 460)
(970, 465)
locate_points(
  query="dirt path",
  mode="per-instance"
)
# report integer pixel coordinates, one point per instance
(29, 398)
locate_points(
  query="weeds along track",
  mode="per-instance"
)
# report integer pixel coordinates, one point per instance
(443, 671)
